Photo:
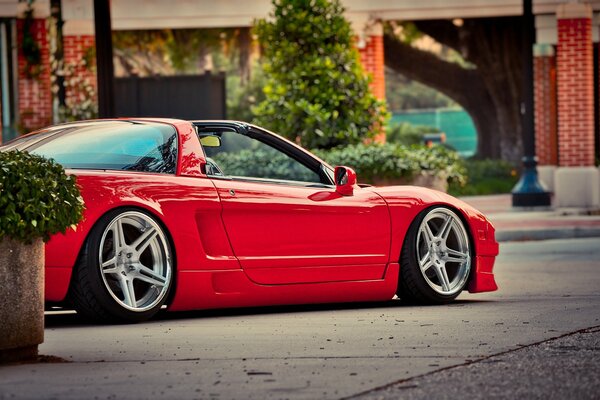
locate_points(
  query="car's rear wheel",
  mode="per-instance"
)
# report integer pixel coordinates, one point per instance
(436, 258)
(125, 271)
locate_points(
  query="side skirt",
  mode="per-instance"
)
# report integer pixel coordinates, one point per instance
(222, 289)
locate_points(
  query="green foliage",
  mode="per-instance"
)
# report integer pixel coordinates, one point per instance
(185, 46)
(37, 198)
(242, 98)
(486, 177)
(262, 164)
(408, 134)
(405, 94)
(316, 91)
(393, 161)
(30, 47)
(168, 52)
(442, 161)
(80, 103)
(372, 163)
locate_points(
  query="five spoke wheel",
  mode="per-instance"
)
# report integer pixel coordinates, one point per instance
(135, 261)
(126, 271)
(436, 257)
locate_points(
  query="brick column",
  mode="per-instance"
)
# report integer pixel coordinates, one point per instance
(575, 86)
(577, 183)
(35, 97)
(77, 49)
(370, 48)
(544, 67)
(371, 57)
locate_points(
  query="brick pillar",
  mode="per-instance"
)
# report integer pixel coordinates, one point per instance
(77, 50)
(577, 182)
(371, 57)
(370, 48)
(35, 97)
(575, 85)
(544, 70)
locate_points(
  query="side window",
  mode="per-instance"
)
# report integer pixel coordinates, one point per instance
(239, 155)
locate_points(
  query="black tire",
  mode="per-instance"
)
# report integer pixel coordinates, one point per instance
(446, 262)
(125, 270)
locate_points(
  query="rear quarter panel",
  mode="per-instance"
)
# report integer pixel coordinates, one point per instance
(184, 205)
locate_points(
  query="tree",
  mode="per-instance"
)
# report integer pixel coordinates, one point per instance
(489, 88)
(316, 92)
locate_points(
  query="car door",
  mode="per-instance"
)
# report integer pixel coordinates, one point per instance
(285, 221)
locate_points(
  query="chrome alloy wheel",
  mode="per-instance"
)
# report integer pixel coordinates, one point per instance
(135, 261)
(443, 251)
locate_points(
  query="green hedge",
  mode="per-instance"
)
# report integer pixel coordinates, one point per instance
(262, 164)
(487, 177)
(37, 198)
(371, 162)
(394, 161)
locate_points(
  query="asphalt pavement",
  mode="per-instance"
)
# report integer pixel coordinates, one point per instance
(567, 367)
(544, 320)
(537, 337)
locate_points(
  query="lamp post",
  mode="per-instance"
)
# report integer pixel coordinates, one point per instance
(104, 59)
(528, 192)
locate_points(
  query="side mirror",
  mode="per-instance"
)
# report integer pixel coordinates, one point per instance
(345, 180)
(210, 141)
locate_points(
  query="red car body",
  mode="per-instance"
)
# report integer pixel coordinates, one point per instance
(239, 244)
(246, 243)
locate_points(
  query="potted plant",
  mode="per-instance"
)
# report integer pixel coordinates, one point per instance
(37, 200)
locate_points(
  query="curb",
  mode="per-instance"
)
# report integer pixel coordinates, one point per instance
(546, 234)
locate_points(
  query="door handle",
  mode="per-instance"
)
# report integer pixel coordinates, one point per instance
(232, 192)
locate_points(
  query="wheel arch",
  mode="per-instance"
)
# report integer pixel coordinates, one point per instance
(461, 214)
(158, 217)
(464, 218)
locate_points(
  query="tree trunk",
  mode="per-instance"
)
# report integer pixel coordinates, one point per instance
(490, 91)
(245, 48)
(465, 86)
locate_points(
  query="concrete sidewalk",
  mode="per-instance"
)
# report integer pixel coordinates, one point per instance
(515, 224)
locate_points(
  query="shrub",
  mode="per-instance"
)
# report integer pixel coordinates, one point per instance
(393, 161)
(261, 164)
(487, 177)
(408, 134)
(372, 163)
(316, 91)
(241, 99)
(37, 198)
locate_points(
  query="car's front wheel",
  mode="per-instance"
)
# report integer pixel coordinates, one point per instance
(125, 271)
(436, 258)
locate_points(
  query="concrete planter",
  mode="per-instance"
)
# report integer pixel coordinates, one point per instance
(425, 179)
(21, 299)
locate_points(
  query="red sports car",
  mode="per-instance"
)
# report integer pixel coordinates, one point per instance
(208, 214)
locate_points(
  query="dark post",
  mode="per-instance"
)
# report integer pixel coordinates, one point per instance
(528, 192)
(104, 59)
(56, 13)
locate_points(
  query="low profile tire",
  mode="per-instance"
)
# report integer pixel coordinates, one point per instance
(436, 258)
(125, 271)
